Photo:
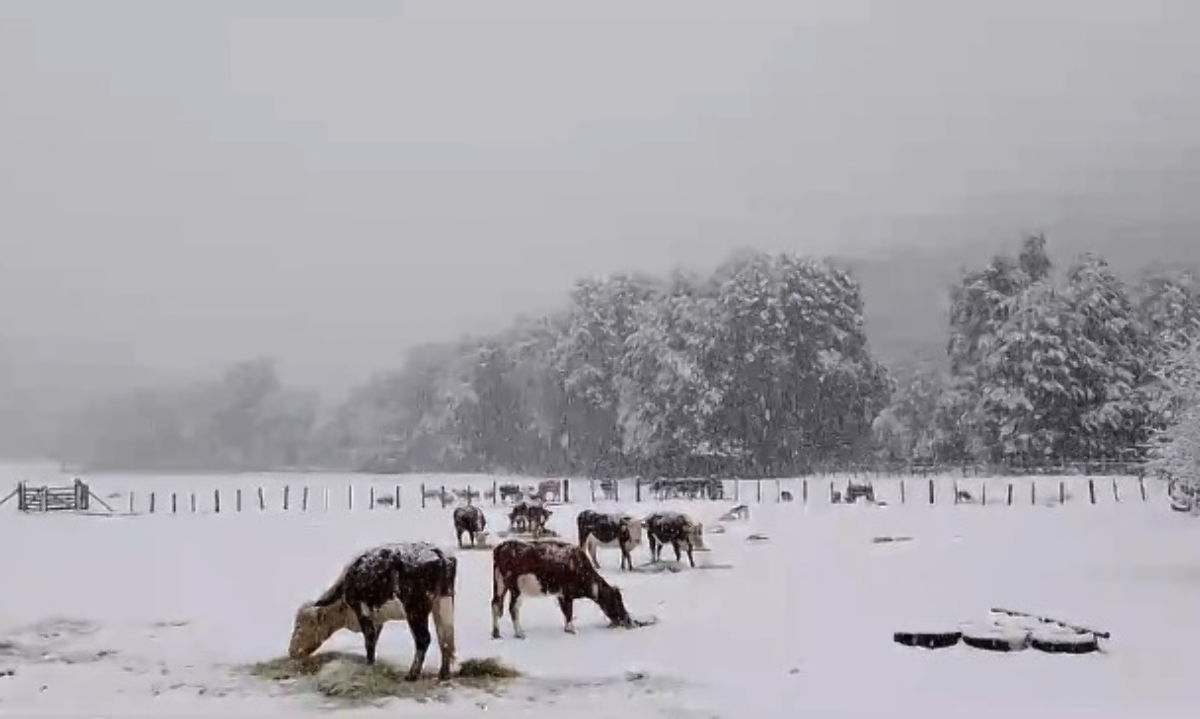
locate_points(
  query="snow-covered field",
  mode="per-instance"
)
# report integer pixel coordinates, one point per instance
(153, 615)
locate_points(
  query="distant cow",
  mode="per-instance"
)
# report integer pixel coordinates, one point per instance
(550, 568)
(740, 512)
(607, 530)
(676, 529)
(528, 517)
(470, 520)
(407, 581)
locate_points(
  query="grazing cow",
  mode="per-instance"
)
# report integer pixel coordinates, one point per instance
(550, 568)
(676, 529)
(470, 520)
(528, 516)
(606, 530)
(407, 581)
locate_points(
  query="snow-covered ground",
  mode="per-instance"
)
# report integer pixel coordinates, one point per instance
(152, 615)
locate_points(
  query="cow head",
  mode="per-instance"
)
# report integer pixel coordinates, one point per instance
(315, 624)
(634, 526)
(611, 603)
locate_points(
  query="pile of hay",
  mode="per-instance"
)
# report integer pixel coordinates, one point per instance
(348, 677)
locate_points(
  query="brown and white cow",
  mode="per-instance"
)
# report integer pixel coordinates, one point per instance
(676, 529)
(528, 516)
(405, 581)
(607, 530)
(550, 568)
(468, 520)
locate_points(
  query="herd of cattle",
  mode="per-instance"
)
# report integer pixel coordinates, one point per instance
(412, 581)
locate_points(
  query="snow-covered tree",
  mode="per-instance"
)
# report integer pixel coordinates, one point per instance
(1176, 448)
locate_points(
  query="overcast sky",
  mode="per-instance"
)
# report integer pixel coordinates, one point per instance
(188, 183)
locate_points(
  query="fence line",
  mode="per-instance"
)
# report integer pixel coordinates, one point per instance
(931, 491)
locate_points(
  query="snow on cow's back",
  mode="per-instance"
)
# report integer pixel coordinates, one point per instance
(558, 551)
(409, 553)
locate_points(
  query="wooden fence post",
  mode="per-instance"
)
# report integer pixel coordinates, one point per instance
(152, 503)
(931, 492)
(217, 500)
(758, 490)
(591, 487)
(1062, 492)
(956, 491)
(174, 505)
(1010, 494)
(1033, 492)
(983, 490)
(262, 501)
(637, 489)
(902, 497)
(1116, 493)
(238, 499)
(304, 499)
(831, 491)
(130, 502)
(371, 497)
(325, 498)
(192, 498)
(804, 490)
(737, 489)
(1092, 489)
(1142, 485)
(287, 495)
(566, 491)
(349, 496)
(397, 504)
(778, 492)
(422, 495)
(442, 496)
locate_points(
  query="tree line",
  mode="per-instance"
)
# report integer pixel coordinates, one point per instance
(760, 368)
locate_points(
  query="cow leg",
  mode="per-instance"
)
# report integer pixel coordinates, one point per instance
(653, 548)
(498, 592)
(514, 611)
(460, 534)
(590, 547)
(443, 624)
(675, 546)
(691, 561)
(567, 606)
(370, 634)
(626, 558)
(418, 624)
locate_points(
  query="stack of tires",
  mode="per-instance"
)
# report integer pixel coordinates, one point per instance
(1009, 632)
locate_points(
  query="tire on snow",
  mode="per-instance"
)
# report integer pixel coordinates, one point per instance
(994, 637)
(927, 640)
(1056, 640)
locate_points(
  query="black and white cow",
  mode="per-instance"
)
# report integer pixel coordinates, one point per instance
(528, 517)
(549, 568)
(676, 529)
(406, 581)
(607, 530)
(468, 520)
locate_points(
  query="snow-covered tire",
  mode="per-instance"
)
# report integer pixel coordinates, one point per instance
(927, 640)
(994, 637)
(1056, 640)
